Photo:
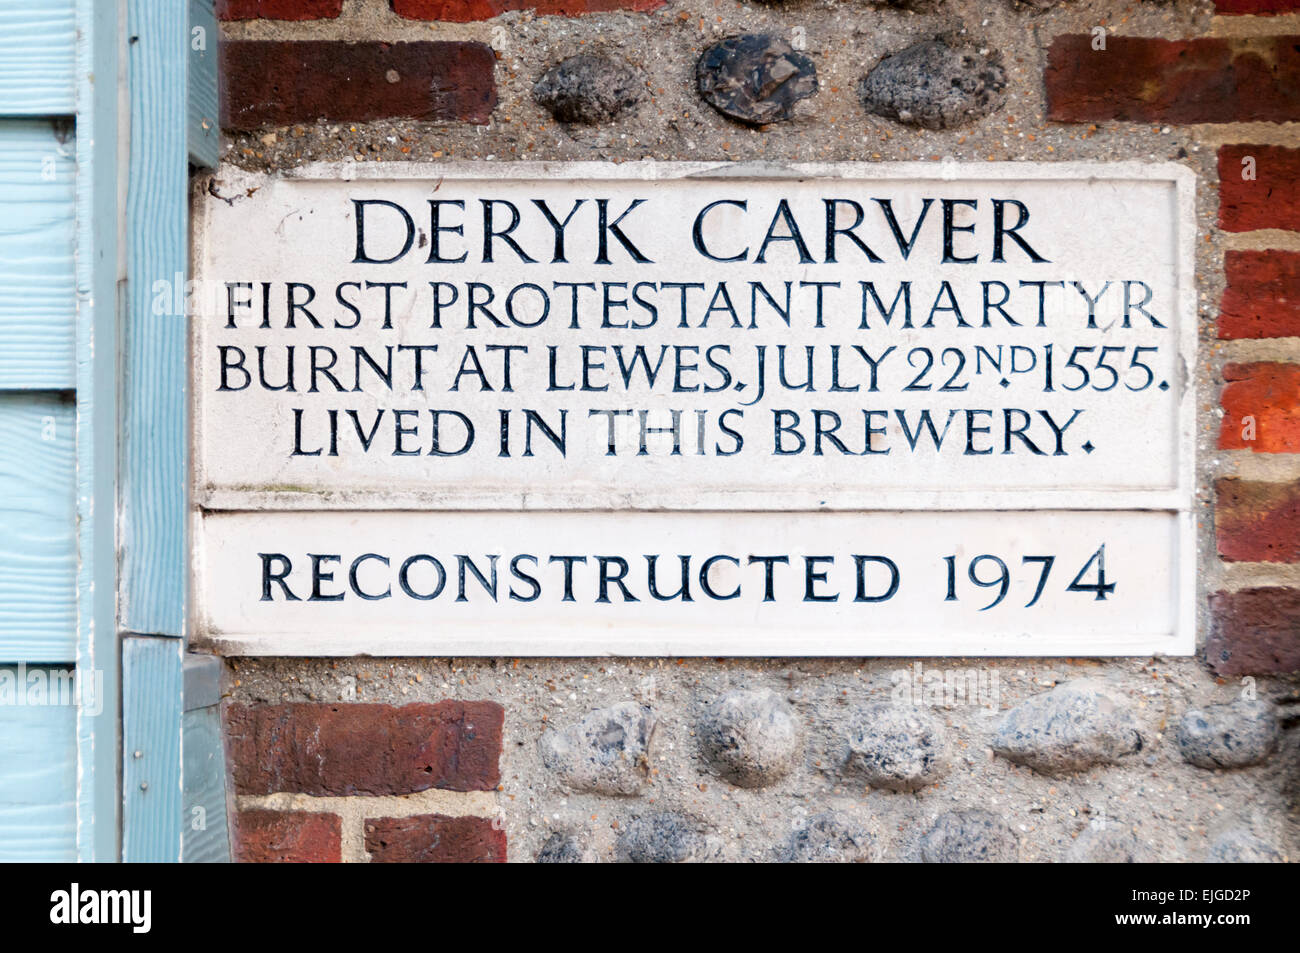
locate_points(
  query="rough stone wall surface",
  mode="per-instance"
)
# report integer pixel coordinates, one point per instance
(796, 759)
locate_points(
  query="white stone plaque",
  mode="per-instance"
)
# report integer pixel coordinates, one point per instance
(950, 376)
(590, 583)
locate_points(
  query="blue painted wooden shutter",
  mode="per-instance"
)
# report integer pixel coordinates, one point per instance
(170, 743)
(76, 325)
(38, 502)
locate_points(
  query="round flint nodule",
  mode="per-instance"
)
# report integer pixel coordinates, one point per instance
(755, 78)
(589, 88)
(935, 86)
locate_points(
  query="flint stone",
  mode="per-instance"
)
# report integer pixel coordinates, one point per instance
(588, 88)
(897, 746)
(661, 838)
(935, 86)
(1240, 846)
(751, 738)
(1234, 735)
(1108, 845)
(606, 752)
(560, 849)
(755, 78)
(830, 837)
(1068, 729)
(968, 837)
(915, 6)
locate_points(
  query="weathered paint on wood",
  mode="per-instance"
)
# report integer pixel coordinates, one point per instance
(204, 126)
(99, 219)
(38, 556)
(152, 709)
(202, 681)
(205, 839)
(38, 778)
(37, 58)
(37, 234)
(154, 458)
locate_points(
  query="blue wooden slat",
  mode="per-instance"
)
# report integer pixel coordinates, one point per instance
(99, 220)
(202, 681)
(152, 710)
(155, 461)
(38, 558)
(37, 58)
(37, 234)
(205, 839)
(204, 126)
(38, 774)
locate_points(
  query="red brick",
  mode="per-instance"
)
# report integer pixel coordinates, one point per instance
(1270, 200)
(1254, 631)
(278, 83)
(1144, 79)
(279, 9)
(1262, 299)
(434, 839)
(287, 837)
(1258, 522)
(1255, 7)
(462, 11)
(1269, 393)
(343, 750)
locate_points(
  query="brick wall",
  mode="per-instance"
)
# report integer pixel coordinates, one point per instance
(1257, 628)
(1229, 80)
(377, 783)
(1214, 84)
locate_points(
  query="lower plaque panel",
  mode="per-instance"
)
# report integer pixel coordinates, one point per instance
(1003, 583)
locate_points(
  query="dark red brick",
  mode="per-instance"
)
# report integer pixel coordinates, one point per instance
(343, 750)
(1145, 79)
(462, 11)
(434, 839)
(287, 837)
(1258, 522)
(1270, 200)
(1270, 394)
(1254, 631)
(1262, 299)
(1255, 7)
(278, 83)
(279, 9)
